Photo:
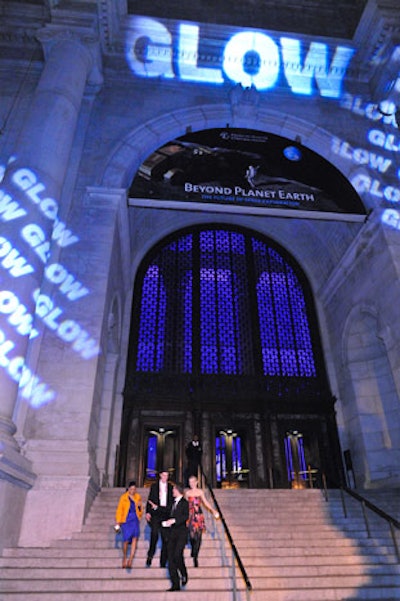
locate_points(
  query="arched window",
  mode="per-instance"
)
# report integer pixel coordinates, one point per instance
(217, 301)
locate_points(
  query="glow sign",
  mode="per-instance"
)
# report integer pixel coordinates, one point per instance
(28, 270)
(377, 155)
(193, 53)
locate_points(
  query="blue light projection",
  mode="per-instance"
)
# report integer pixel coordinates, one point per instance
(211, 55)
(30, 224)
(223, 319)
(377, 156)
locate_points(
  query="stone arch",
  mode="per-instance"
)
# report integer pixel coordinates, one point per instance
(371, 398)
(125, 159)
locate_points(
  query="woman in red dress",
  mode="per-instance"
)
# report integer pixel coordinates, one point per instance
(196, 523)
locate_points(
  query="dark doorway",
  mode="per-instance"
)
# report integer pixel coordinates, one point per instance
(306, 454)
(231, 463)
(161, 451)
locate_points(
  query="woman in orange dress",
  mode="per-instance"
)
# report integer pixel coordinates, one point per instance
(196, 523)
(128, 515)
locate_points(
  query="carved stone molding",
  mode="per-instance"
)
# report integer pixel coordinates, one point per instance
(50, 36)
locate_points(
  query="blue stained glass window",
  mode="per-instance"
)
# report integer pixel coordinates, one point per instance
(151, 471)
(188, 322)
(198, 298)
(150, 350)
(220, 459)
(284, 328)
(223, 304)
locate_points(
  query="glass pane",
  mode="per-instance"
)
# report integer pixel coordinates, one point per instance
(151, 465)
(196, 305)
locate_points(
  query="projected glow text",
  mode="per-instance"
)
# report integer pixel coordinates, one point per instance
(250, 58)
(24, 213)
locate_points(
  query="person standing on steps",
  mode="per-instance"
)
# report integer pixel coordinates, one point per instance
(177, 538)
(194, 454)
(157, 510)
(127, 516)
(196, 498)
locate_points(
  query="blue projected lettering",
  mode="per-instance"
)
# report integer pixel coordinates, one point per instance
(392, 218)
(328, 78)
(150, 59)
(188, 44)
(267, 51)
(250, 58)
(26, 208)
(31, 387)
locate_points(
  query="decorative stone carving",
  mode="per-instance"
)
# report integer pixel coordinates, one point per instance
(51, 36)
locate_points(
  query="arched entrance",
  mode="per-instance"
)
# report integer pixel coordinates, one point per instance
(225, 343)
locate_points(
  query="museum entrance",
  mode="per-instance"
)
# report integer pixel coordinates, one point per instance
(224, 331)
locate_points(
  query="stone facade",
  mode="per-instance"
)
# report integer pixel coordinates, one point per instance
(79, 122)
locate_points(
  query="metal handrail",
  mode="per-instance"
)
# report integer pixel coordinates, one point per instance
(365, 503)
(228, 534)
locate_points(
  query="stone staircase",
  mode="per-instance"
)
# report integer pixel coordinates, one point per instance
(294, 545)
(87, 567)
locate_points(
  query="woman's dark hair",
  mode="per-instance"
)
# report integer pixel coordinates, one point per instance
(131, 483)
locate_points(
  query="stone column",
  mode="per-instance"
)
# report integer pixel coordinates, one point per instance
(30, 225)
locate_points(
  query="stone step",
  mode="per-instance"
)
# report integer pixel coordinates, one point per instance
(138, 571)
(369, 593)
(22, 562)
(124, 580)
(239, 532)
(128, 582)
(94, 553)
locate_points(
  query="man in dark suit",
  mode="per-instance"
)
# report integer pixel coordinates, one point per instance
(177, 538)
(194, 453)
(157, 510)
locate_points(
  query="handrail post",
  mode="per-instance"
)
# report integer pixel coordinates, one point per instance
(324, 486)
(343, 502)
(366, 504)
(366, 518)
(396, 545)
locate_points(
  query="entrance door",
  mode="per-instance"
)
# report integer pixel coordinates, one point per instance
(161, 452)
(302, 458)
(231, 467)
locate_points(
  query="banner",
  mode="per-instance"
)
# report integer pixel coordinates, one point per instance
(244, 167)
